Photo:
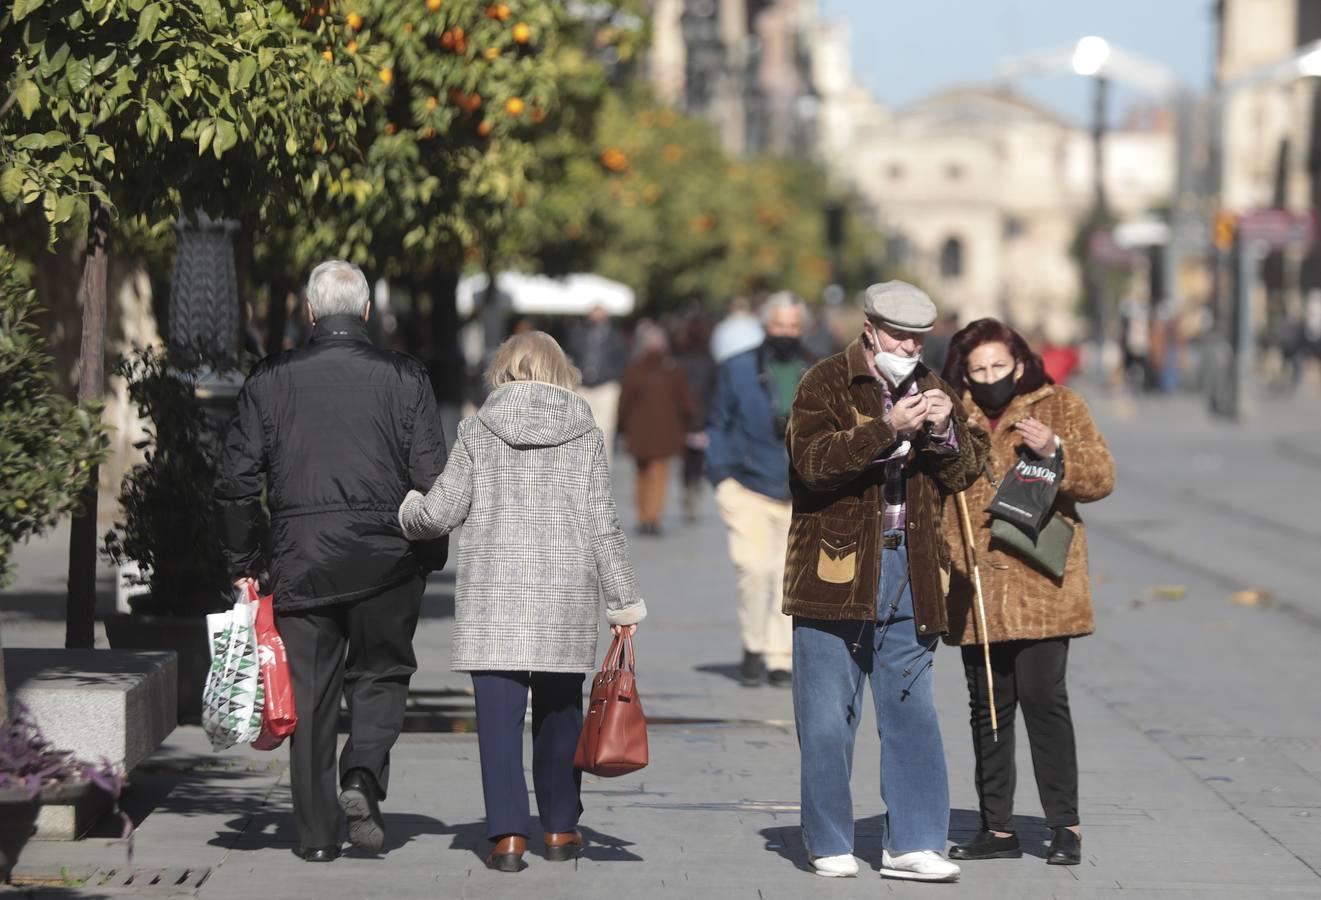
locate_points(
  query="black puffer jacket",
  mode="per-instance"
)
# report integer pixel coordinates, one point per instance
(335, 433)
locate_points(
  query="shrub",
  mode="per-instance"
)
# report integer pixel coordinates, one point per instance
(168, 525)
(48, 445)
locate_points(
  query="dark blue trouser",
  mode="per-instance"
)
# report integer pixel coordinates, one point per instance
(557, 720)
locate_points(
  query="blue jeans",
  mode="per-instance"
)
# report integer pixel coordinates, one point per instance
(828, 680)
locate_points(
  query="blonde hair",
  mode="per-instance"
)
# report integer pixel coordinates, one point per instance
(532, 356)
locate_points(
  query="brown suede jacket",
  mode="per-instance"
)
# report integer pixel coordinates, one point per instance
(836, 433)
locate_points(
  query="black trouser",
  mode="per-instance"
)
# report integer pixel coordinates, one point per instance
(557, 720)
(377, 633)
(1030, 674)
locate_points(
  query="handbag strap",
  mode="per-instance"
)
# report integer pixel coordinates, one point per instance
(620, 654)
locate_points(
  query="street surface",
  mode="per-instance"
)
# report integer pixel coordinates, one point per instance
(1197, 706)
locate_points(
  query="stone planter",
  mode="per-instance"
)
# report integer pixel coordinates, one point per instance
(18, 820)
(185, 635)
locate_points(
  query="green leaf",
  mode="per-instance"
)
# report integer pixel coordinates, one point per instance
(79, 75)
(226, 136)
(23, 7)
(28, 96)
(11, 184)
(204, 137)
(65, 208)
(247, 71)
(150, 18)
(158, 117)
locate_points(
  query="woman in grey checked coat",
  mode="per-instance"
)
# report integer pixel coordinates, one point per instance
(528, 480)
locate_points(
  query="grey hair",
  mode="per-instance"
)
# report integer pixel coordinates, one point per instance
(783, 300)
(337, 288)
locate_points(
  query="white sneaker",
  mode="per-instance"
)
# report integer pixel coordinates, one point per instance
(919, 865)
(842, 866)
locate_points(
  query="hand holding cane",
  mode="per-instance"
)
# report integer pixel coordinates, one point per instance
(981, 611)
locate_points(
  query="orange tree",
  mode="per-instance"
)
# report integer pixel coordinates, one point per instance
(150, 108)
(650, 198)
(461, 90)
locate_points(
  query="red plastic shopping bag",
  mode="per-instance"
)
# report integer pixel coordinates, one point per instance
(278, 717)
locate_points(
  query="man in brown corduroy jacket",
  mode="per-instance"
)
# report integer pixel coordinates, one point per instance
(875, 442)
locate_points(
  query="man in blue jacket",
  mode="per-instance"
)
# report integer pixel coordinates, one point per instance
(749, 466)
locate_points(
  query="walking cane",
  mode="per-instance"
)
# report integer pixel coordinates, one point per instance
(981, 612)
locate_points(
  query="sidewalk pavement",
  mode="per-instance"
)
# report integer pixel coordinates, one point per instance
(1199, 740)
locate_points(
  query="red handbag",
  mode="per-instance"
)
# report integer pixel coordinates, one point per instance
(278, 717)
(614, 736)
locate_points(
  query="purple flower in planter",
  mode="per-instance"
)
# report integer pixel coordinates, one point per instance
(30, 764)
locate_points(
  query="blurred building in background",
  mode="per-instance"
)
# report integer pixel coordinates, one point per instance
(1271, 157)
(744, 64)
(981, 192)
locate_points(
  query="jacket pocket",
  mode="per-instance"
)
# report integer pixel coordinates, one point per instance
(837, 555)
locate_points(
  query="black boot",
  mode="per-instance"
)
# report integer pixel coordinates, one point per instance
(360, 799)
(987, 845)
(317, 854)
(753, 669)
(1065, 847)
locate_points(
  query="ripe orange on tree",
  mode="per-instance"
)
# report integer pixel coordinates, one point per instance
(352, 47)
(432, 103)
(522, 33)
(386, 75)
(354, 21)
(491, 53)
(472, 102)
(538, 115)
(391, 128)
(434, 5)
(447, 40)
(327, 55)
(484, 129)
(502, 12)
(515, 106)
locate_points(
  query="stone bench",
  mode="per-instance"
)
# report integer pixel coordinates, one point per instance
(101, 704)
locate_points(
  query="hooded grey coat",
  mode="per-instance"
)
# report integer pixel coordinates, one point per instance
(528, 480)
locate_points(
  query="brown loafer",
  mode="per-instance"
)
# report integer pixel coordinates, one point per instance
(562, 845)
(507, 854)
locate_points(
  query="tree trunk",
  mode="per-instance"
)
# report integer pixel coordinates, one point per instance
(445, 359)
(277, 315)
(4, 686)
(80, 621)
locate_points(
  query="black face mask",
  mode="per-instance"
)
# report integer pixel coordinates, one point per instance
(784, 348)
(995, 395)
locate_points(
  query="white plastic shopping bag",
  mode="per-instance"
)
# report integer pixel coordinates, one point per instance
(233, 697)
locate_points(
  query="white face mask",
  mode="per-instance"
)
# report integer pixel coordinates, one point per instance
(895, 368)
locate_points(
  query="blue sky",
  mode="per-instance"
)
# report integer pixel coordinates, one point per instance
(905, 51)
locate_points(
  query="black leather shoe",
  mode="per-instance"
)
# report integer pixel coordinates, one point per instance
(753, 669)
(360, 799)
(986, 845)
(1065, 848)
(781, 678)
(317, 854)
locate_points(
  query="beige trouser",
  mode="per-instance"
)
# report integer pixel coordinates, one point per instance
(603, 400)
(758, 540)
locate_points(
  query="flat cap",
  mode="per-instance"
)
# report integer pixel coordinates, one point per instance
(900, 305)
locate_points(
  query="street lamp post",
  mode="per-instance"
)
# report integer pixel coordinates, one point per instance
(1089, 59)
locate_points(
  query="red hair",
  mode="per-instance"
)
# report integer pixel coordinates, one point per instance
(992, 331)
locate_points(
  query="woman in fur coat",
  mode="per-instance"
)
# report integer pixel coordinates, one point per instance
(1031, 616)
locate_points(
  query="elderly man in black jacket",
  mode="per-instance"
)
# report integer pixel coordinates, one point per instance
(336, 433)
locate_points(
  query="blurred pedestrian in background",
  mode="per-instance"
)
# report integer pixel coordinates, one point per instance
(876, 439)
(1030, 615)
(529, 482)
(738, 332)
(749, 466)
(600, 353)
(656, 410)
(692, 346)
